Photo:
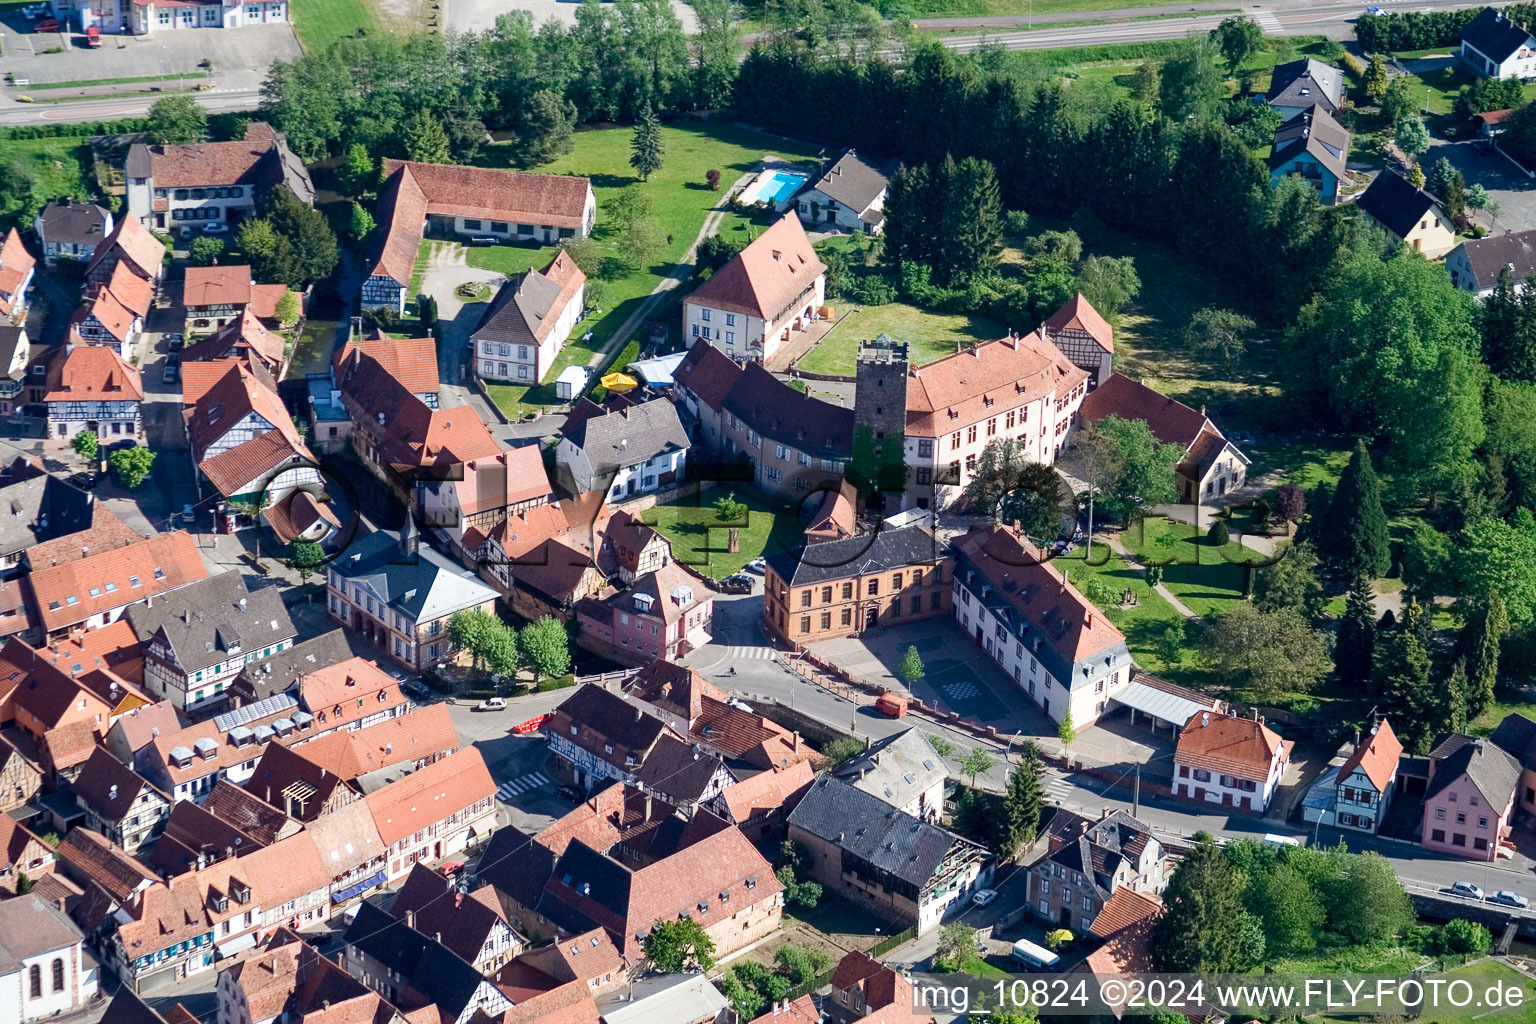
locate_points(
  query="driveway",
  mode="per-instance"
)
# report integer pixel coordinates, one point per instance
(238, 55)
(446, 270)
(1509, 187)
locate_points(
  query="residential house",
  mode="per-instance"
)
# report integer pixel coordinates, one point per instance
(92, 388)
(283, 670)
(15, 349)
(97, 587)
(1082, 334)
(244, 338)
(546, 552)
(188, 763)
(1210, 466)
(1516, 736)
(1302, 84)
(1357, 787)
(1409, 215)
(44, 968)
(471, 924)
(1315, 146)
(403, 364)
(128, 242)
(665, 614)
(40, 508)
(95, 863)
(529, 322)
(300, 515)
(436, 811)
(798, 1011)
(1493, 45)
(151, 16)
(1073, 884)
(759, 805)
(1037, 627)
(16, 268)
(219, 295)
(353, 849)
(469, 504)
(64, 718)
(639, 449)
(1128, 926)
(402, 603)
(70, 230)
(199, 638)
(598, 737)
(20, 778)
(674, 998)
(883, 859)
(836, 517)
(351, 695)
(478, 202)
(794, 443)
(749, 307)
(865, 991)
(372, 756)
(849, 196)
(1231, 761)
(119, 802)
(288, 778)
(290, 982)
(633, 547)
(822, 591)
(665, 868)
(112, 311)
(414, 971)
(137, 729)
(1490, 123)
(184, 187)
(1470, 799)
(230, 822)
(1475, 265)
(903, 770)
(22, 852)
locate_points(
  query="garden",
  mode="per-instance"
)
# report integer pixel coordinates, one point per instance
(700, 537)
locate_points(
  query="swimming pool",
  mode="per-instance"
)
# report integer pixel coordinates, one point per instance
(774, 187)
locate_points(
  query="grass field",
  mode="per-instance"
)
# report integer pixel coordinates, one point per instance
(699, 539)
(321, 22)
(929, 336)
(86, 82)
(1482, 974)
(681, 198)
(1504, 705)
(59, 164)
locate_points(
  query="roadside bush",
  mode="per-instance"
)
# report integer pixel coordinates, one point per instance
(1218, 535)
(1462, 936)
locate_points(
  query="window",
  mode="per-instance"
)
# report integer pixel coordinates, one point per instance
(847, 616)
(896, 581)
(730, 320)
(778, 450)
(874, 588)
(826, 620)
(1482, 822)
(1008, 424)
(1479, 843)
(471, 225)
(730, 337)
(35, 981)
(805, 599)
(1461, 818)
(1439, 813)
(704, 314)
(954, 440)
(58, 974)
(924, 476)
(847, 591)
(992, 426)
(1457, 839)
(970, 435)
(925, 448)
(826, 595)
(805, 623)
(1437, 835)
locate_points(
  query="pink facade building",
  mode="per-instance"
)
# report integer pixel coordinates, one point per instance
(1470, 798)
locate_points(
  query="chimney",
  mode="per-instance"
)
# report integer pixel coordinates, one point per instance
(1088, 621)
(458, 901)
(647, 806)
(410, 919)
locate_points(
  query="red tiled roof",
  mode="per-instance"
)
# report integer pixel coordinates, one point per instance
(242, 334)
(208, 163)
(296, 513)
(216, 286)
(1233, 746)
(423, 733)
(451, 190)
(1010, 372)
(430, 794)
(106, 580)
(198, 378)
(767, 791)
(107, 532)
(1079, 314)
(411, 361)
(1492, 117)
(233, 469)
(801, 1011)
(1172, 422)
(1125, 908)
(1376, 755)
(510, 477)
(265, 297)
(133, 242)
(336, 690)
(236, 394)
(402, 217)
(15, 264)
(131, 290)
(1044, 596)
(94, 372)
(765, 278)
(114, 317)
(114, 648)
(95, 857)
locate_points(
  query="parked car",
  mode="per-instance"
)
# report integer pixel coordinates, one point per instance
(893, 705)
(34, 11)
(84, 481)
(1380, 12)
(757, 566)
(188, 514)
(187, 231)
(416, 689)
(740, 583)
(93, 37)
(1467, 889)
(983, 897)
(48, 25)
(175, 342)
(215, 227)
(482, 240)
(491, 704)
(1509, 899)
(172, 373)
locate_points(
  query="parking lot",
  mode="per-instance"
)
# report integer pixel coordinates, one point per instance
(1512, 190)
(238, 55)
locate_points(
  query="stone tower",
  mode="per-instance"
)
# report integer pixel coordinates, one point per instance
(880, 411)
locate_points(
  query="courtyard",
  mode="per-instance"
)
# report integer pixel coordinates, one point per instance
(701, 541)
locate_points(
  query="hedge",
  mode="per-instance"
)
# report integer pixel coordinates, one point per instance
(64, 130)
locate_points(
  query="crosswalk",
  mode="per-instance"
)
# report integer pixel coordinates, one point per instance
(754, 653)
(522, 784)
(1057, 789)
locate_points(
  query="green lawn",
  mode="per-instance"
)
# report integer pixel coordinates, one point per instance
(85, 82)
(699, 539)
(312, 353)
(59, 164)
(321, 22)
(1003, 8)
(681, 198)
(1504, 705)
(929, 336)
(1482, 974)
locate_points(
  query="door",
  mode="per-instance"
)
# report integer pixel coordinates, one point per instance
(1066, 917)
(1199, 792)
(871, 618)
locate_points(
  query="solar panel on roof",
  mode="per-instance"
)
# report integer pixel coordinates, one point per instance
(266, 707)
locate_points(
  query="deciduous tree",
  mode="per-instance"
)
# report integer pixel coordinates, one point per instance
(1192, 85)
(205, 250)
(1271, 653)
(546, 647)
(978, 762)
(176, 120)
(305, 556)
(1146, 469)
(911, 668)
(1218, 330)
(132, 464)
(673, 947)
(1238, 37)
(1109, 282)
(86, 444)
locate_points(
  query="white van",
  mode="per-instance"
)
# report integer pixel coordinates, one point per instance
(1030, 956)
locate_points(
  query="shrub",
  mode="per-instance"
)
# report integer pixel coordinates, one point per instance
(1218, 534)
(1462, 936)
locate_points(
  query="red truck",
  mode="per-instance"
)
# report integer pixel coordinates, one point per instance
(93, 37)
(893, 704)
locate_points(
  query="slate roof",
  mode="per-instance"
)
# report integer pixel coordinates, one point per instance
(778, 412)
(1312, 131)
(427, 590)
(516, 865)
(1396, 205)
(40, 509)
(435, 973)
(74, 223)
(525, 310)
(679, 770)
(1495, 35)
(856, 181)
(1489, 256)
(1229, 745)
(852, 556)
(896, 768)
(283, 670)
(205, 622)
(1490, 769)
(1516, 736)
(1304, 82)
(635, 434)
(461, 921)
(872, 830)
(1377, 755)
(612, 718)
(764, 279)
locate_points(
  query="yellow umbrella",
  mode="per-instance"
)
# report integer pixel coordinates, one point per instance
(619, 382)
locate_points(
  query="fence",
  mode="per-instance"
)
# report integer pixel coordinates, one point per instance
(890, 942)
(811, 985)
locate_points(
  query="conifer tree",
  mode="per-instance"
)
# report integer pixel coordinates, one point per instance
(1206, 927)
(1354, 540)
(1489, 629)
(646, 149)
(1025, 798)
